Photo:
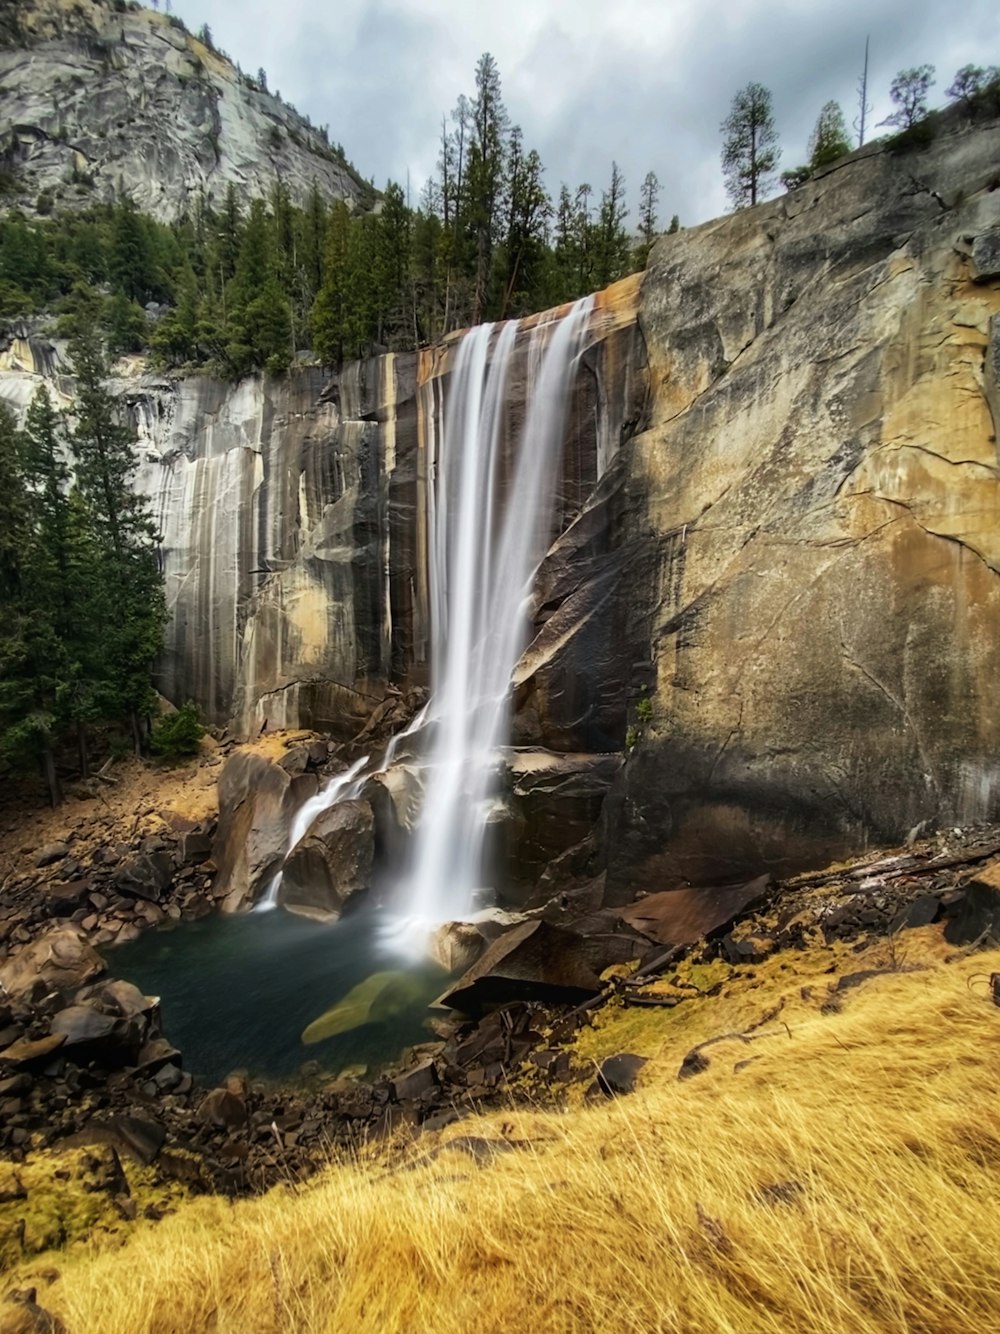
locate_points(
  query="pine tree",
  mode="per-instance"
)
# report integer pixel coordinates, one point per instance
(125, 539)
(909, 92)
(329, 312)
(131, 263)
(528, 209)
(391, 270)
(750, 152)
(64, 576)
(828, 141)
(29, 649)
(648, 198)
(259, 317)
(612, 239)
(484, 181)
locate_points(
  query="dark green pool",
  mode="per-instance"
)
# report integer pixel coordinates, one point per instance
(236, 992)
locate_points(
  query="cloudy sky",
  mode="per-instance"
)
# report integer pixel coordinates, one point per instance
(646, 82)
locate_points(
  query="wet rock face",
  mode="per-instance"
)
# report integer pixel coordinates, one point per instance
(257, 799)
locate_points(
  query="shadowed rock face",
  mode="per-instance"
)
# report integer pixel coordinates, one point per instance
(293, 515)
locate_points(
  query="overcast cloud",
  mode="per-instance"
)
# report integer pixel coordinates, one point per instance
(646, 82)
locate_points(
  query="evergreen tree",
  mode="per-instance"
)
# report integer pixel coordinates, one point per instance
(528, 209)
(125, 539)
(391, 270)
(258, 325)
(750, 151)
(329, 313)
(828, 141)
(30, 658)
(484, 182)
(909, 92)
(131, 260)
(648, 198)
(612, 239)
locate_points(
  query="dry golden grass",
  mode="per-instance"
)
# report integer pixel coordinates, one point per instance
(878, 1125)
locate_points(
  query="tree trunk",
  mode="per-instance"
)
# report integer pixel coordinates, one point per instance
(82, 750)
(136, 734)
(51, 777)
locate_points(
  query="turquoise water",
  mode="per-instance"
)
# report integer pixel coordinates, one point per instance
(236, 992)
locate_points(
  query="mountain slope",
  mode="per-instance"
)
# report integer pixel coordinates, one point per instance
(99, 98)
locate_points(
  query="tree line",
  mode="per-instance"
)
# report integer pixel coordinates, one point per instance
(239, 288)
(81, 593)
(751, 152)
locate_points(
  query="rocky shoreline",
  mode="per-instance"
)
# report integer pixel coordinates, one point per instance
(84, 1060)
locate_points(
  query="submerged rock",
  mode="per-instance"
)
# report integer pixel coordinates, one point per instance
(375, 1000)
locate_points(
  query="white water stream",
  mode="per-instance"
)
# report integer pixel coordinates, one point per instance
(490, 505)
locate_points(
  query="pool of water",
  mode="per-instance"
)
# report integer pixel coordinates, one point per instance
(237, 992)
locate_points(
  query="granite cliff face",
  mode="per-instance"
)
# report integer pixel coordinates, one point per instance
(773, 591)
(97, 101)
(815, 515)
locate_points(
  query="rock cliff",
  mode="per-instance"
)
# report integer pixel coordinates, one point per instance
(97, 99)
(775, 574)
(815, 512)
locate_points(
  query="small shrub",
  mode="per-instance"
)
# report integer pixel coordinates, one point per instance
(915, 137)
(177, 734)
(644, 711)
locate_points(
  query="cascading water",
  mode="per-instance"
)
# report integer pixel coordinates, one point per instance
(489, 516)
(490, 520)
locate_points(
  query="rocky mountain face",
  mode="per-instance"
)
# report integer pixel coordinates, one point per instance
(99, 99)
(772, 596)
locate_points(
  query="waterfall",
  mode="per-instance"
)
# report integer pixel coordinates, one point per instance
(490, 520)
(490, 501)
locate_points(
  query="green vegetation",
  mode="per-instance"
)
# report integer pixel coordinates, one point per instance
(177, 734)
(237, 290)
(81, 595)
(750, 152)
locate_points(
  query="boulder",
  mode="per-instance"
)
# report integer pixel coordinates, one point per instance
(455, 946)
(533, 961)
(257, 800)
(331, 863)
(683, 916)
(986, 256)
(81, 1026)
(63, 900)
(61, 959)
(193, 847)
(415, 1083)
(222, 1109)
(26, 1051)
(618, 1074)
(52, 853)
(376, 1000)
(976, 915)
(147, 875)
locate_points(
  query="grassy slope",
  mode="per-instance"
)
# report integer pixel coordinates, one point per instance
(645, 1214)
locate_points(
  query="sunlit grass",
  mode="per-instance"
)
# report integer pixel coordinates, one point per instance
(846, 1179)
